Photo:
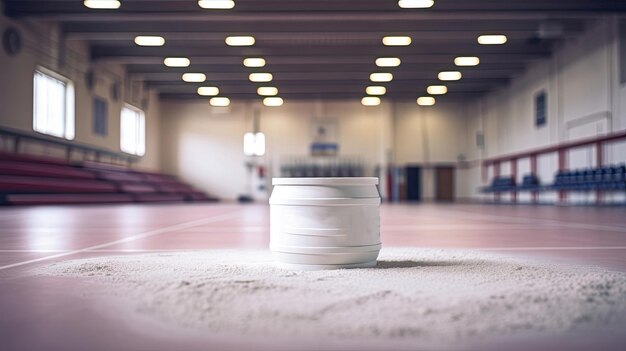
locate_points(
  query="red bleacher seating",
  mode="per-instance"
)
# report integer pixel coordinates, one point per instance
(33, 158)
(155, 197)
(42, 170)
(16, 184)
(53, 199)
(32, 180)
(136, 188)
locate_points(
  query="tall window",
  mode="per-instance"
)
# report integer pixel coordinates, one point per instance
(133, 131)
(53, 104)
(254, 144)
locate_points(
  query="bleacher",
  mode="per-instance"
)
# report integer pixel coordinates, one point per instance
(500, 184)
(31, 180)
(605, 178)
(608, 178)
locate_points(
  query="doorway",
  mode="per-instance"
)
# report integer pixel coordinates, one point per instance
(413, 183)
(444, 184)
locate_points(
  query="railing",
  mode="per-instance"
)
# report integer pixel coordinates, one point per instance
(598, 142)
(19, 138)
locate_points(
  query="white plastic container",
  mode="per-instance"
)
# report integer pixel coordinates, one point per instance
(325, 223)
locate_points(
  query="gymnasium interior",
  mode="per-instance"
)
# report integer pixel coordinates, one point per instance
(152, 152)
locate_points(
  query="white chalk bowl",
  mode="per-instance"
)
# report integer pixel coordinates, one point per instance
(325, 223)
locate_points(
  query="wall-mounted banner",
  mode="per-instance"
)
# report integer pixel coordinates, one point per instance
(325, 135)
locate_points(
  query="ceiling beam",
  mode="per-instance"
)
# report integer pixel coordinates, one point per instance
(325, 96)
(291, 37)
(425, 58)
(72, 10)
(237, 67)
(436, 47)
(336, 26)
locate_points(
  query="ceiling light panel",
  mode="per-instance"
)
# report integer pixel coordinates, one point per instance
(381, 77)
(102, 4)
(415, 4)
(467, 61)
(495, 39)
(375, 90)
(370, 101)
(176, 62)
(437, 89)
(149, 40)
(254, 62)
(388, 62)
(219, 101)
(216, 4)
(267, 91)
(426, 101)
(242, 40)
(260, 77)
(449, 75)
(273, 101)
(397, 41)
(194, 77)
(208, 91)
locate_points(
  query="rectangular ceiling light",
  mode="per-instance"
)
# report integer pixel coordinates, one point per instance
(370, 101)
(426, 101)
(254, 62)
(415, 4)
(102, 4)
(208, 91)
(273, 101)
(260, 77)
(242, 40)
(267, 91)
(216, 4)
(381, 77)
(397, 41)
(467, 61)
(437, 89)
(450, 75)
(388, 62)
(149, 40)
(194, 77)
(176, 62)
(375, 90)
(496, 39)
(219, 101)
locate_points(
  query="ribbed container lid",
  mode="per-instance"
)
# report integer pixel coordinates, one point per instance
(326, 181)
(325, 250)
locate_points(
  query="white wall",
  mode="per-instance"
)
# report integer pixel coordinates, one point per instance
(44, 46)
(584, 99)
(205, 143)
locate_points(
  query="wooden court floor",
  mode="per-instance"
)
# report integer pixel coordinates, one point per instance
(37, 313)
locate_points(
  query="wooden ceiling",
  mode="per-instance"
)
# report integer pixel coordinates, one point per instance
(322, 49)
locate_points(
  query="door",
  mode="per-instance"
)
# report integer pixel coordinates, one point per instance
(413, 183)
(444, 184)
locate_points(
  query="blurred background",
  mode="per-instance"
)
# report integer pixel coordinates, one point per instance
(444, 101)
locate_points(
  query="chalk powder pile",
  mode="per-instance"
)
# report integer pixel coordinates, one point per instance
(414, 294)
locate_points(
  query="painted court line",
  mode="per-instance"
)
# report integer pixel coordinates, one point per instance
(128, 239)
(530, 220)
(553, 248)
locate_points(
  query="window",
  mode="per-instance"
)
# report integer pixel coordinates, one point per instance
(540, 108)
(254, 144)
(53, 104)
(99, 117)
(133, 131)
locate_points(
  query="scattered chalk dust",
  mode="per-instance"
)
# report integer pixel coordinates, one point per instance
(425, 295)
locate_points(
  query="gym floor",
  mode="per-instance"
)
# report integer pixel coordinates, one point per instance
(46, 312)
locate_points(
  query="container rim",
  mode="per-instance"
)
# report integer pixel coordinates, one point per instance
(326, 181)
